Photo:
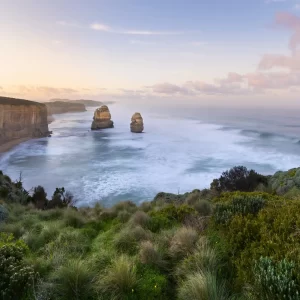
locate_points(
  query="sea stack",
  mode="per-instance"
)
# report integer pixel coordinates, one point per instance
(102, 118)
(137, 123)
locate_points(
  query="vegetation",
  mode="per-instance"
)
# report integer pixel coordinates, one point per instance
(234, 241)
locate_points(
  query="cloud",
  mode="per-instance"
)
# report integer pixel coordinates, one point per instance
(297, 6)
(270, 61)
(102, 27)
(291, 22)
(138, 42)
(274, 1)
(168, 89)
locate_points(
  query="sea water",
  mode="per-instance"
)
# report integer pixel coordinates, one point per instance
(179, 151)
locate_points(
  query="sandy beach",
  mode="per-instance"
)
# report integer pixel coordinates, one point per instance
(9, 145)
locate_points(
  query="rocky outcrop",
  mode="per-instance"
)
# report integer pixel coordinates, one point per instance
(61, 107)
(137, 123)
(102, 118)
(22, 119)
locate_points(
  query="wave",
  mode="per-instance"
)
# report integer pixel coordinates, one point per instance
(264, 135)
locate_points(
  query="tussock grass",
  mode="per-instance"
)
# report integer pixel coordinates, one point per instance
(202, 286)
(119, 280)
(75, 280)
(127, 239)
(150, 255)
(203, 259)
(183, 242)
(73, 218)
(140, 218)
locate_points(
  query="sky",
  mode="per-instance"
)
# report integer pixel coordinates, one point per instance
(233, 52)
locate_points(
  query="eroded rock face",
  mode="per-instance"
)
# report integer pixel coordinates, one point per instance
(22, 119)
(102, 118)
(137, 123)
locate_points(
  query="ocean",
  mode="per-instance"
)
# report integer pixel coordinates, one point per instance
(180, 150)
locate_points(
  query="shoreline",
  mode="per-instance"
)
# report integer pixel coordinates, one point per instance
(11, 144)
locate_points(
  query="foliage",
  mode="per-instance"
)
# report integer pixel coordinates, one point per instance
(238, 179)
(239, 205)
(276, 280)
(16, 278)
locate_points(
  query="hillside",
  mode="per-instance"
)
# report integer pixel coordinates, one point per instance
(61, 107)
(211, 244)
(92, 103)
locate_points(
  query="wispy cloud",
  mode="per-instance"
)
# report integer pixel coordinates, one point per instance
(139, 42)
(68, 24)
(102, 27)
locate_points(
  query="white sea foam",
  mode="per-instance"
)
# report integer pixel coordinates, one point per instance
(173, 155)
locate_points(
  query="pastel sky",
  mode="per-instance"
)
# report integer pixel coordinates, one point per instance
(205, 51)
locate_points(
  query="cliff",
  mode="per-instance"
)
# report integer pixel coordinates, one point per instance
(21, 119)
(61, 107)
(85, 102)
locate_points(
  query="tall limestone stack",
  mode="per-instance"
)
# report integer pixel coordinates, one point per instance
(102, 118)
(137, 123)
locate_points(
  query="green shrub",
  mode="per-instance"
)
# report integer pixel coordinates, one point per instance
(151, 284)
(16, 278)
(238, 179)
(239, 205)
(74, 280)
(203, 207)
(276, 280)
(119, 280)
(168, 216)
(123, 216)
(202, 286)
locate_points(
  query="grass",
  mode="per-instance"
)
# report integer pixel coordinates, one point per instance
(74, 280)
(120, 280)
(202, 286)
(183, 242)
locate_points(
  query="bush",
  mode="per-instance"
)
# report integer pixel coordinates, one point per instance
(119, 280)
(140, 218)
(3, 213)
(202, 286)
(39, 197)
(183, 242)
(238, 179)
(123, 216)
(276, 280)
(203, 207)
(16, 278)
(151, 284)
(169, 215)
(74, 280)
(239, 205)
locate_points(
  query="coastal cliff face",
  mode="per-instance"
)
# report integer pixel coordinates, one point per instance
(22, 119)
(61, 107)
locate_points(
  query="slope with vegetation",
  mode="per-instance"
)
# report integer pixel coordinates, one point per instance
(237, 240)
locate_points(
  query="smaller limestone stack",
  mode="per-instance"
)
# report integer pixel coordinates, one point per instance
(137, 123)
(102, 118)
